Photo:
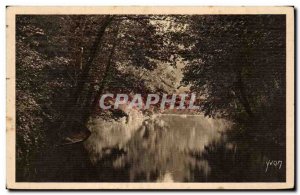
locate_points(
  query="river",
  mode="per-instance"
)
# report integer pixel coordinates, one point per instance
(165, 148)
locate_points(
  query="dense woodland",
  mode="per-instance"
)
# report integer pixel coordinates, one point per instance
(65, 62)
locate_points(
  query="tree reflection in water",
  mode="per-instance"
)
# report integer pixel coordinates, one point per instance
(160, 149)
(237, 160)
(180, 148)
(168, 148)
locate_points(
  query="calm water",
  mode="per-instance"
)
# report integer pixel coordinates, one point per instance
(166, 148)
(176, 148)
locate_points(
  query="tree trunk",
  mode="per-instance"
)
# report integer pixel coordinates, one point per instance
(91, 95)
(75, 114)
(243, 96)
(94, 50)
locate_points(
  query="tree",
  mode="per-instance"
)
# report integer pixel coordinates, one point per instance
(237, 63)
(65, 62)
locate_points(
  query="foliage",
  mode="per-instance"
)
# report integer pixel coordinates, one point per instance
(65, 62)
(237, 63)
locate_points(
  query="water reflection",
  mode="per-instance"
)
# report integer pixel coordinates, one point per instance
(160, 150)
(164, 148)
(238, 160)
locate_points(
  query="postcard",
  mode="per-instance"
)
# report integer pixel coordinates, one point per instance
(143, 98)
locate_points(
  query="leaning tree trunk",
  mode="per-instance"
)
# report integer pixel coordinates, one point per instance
(73, 128)
(94, 96)
(243, 96)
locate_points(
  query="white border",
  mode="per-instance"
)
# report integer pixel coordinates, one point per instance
(149, 10)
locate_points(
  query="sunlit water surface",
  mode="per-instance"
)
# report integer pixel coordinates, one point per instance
(164, 148)
(160, 148)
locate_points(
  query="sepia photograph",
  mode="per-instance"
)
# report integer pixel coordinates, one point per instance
(150, 97)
